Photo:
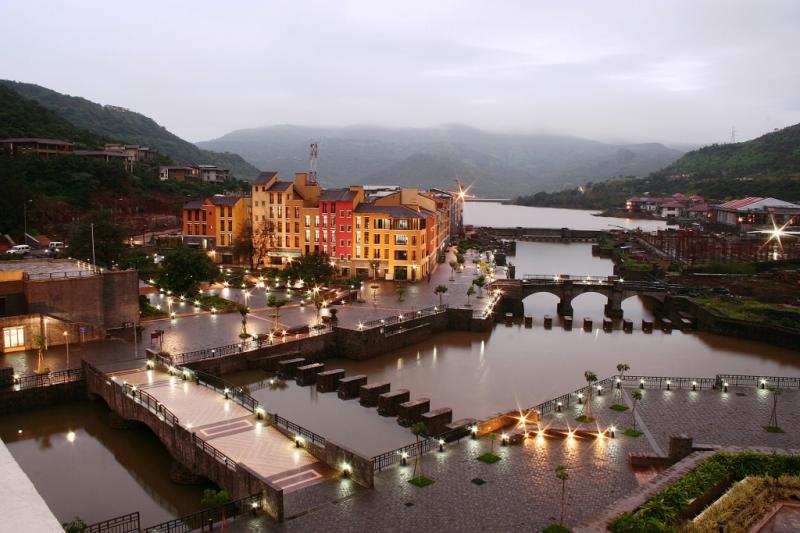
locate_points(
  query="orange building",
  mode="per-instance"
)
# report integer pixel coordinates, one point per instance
(214, 225)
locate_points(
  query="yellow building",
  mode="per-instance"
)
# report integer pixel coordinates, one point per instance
(214, 225)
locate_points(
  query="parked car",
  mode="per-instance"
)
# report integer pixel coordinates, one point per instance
(55, 246)
(20, 249)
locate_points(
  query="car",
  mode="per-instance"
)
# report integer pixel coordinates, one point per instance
(55, 245)
(20, 249)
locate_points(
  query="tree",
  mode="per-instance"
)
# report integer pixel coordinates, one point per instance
(453, 265)
(244, 245)
(313, 269)
(470, 292)
(563, 476)
(418, 429)
(401, 290)
(184, 268)
(276, 303)
(243, 310)
(591, 377)
(480, 282)
(773, 417)
(440, 290)
(108, 239)
(263, 235)
(213, 499)
(492, 439)
(75, 526)
(622, 368)
(40, 341)
(636, 395)
(318, 301)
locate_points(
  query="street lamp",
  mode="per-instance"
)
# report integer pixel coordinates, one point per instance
(66, 337)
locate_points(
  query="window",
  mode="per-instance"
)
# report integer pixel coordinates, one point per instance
(414, 240)
(401, 223)
(349, 213)
(230, 225)
(296, 212)
(14, 337)
(341, 213)
(341, 228)
(377, 253)
(366, 222)
(385, 238)
(271, 212)
(280, 241)
(308, 221)
(230, 212)
(222, 239)
(358, 252)
(308, 235)
(377, 239)
(296, 241)
(401, 240)
(271, 198)
(358, 237)
(324, 207)
(280, 198)
(349, 229)
(413, 255)
(386, 253)
(316, 235)
(358, 222)
(297, 227)
(366, 252)
(316, 220)
(288, 212)
(400, 255)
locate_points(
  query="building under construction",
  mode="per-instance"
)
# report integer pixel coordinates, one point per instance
(695, 249)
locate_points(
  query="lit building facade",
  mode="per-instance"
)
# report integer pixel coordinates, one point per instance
(214, 224)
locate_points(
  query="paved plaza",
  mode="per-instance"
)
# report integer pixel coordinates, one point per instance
(521, 493)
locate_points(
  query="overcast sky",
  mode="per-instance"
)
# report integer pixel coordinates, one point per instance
(610, 70)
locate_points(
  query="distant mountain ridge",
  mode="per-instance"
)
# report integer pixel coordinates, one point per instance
(500, 164)
(124, 125)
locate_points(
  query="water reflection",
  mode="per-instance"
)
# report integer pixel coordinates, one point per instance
(493, 214)
(83, 467)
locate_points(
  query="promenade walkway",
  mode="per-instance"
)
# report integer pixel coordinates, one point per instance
(231, 429)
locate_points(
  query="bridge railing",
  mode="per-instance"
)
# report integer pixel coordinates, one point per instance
(299, 430)
(551, 406)
(403, 317)
(128, 523)
(202, 519)
(740, 380)
(226, 388)
(213, 452)
(663, 382)
(51, 378)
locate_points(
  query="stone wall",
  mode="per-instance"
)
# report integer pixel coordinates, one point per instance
(313, 349)
(13, 401)
(239, 482)
(51, 327)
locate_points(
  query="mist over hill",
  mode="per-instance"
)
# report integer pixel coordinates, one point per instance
(499, 164)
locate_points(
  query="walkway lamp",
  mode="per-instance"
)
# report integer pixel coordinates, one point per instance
(227, 391)
(668, 384)
(612, 432)
(441, 445)
(403, 458)
(504, 439)
(725, 387)
(641, 383)
(66, 338)
(474, 431)
(599, 390)
(694, 385)
(298, 441)
(763, 383)
(558, 407)
(346, 470)
(580, 397)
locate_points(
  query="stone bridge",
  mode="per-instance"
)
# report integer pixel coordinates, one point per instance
(566, 288)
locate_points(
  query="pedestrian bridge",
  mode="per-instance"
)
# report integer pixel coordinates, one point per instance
(566, 288)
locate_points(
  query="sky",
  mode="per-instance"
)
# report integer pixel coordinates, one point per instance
(668, 70)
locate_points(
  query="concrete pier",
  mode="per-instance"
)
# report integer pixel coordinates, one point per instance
(436, 421)
(368, 394)
(548, 321)
(409, 413)
(666, 325)
(627, 325)
(389, 401)
(528, 321)
(608, 324)
(686, 324)
(509, 319)
(459, 428)
(288, 368)
(328, 381)
(307, 374)
(647, 326)
(568, 323)
(587, 324)
(350, 387)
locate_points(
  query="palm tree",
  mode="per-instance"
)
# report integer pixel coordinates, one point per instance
(622, 368)
(773, 418)
(243, 310)
(591, 377)
(418, 429)
(453, 266)
(637, 397)
(440, 290)
(214, 499)
(470, 292)
(277, 303)
(563, 475)
(480, 282)
(401, 290)
(40, 341)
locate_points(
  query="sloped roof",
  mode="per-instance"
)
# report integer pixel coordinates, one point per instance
(394, 211)
(755, 203)
(264, 177)
(193, 204)
(334, 195)
(34, 139)
(740, 202)
(224, 200)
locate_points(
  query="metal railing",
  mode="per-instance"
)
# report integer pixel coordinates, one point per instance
(403, 317)
(550, 406)
(45, 380)
(663, 382)
(213, 452)
(61, 274)
(201, 519)
(247, 346)
(299, 430)
(143, 398)
(740, 380)
(488, 309)
(128, 523)
(230, 390)
(387, 459)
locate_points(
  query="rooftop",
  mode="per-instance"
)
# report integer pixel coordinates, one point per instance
(754, 203)
(34, 139)
(264, 177)
(394, 211)
(333, 195)
(47, 268)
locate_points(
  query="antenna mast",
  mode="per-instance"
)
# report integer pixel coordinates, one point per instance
(312, 164)
(733, 134)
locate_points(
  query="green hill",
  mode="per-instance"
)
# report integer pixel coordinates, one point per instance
(128, 126)
(21, 117)
(766, 166)
(774, 154)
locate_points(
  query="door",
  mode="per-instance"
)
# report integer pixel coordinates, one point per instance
(14, 338)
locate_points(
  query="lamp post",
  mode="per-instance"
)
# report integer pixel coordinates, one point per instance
(66, 337)
(25, 219)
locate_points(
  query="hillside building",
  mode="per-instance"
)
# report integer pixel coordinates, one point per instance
(23, 146)
(754, 212)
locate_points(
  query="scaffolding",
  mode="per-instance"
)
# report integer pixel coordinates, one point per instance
(696, 249)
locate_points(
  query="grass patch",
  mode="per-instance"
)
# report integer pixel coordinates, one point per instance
(556, 528)
(222, 305)
(773, 429)
(750, 310)
(421, 481)
(489, 458)
(619, 407)
(630, 432)
(584, 418)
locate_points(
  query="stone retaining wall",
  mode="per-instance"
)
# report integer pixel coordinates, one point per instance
(12, 401)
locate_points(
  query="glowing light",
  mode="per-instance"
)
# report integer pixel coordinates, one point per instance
(70, 436)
